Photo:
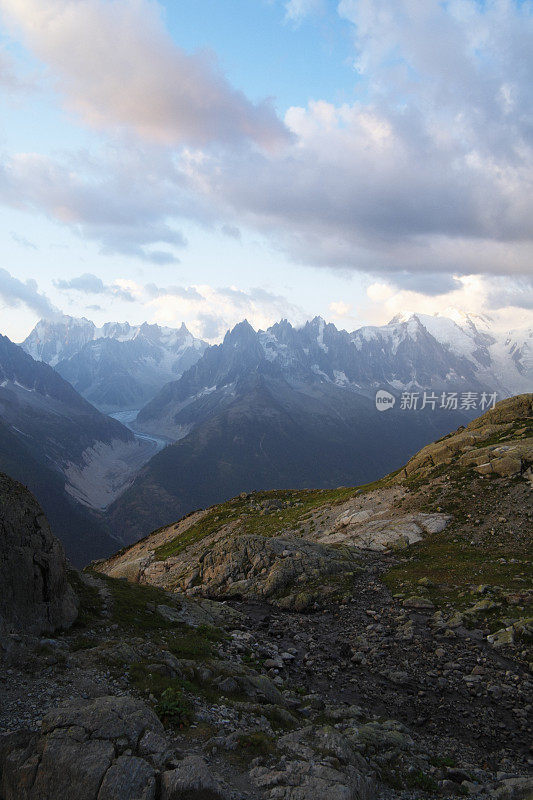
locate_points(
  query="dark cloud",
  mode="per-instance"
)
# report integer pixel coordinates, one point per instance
(517, 294)
(231, 231)
(13, 292)
(429, 283)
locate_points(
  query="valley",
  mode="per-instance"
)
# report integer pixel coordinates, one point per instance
(365, 643)
(285, 408)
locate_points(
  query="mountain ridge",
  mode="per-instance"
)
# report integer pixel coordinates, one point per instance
(117, 366)
(296, 407)
(71, 455)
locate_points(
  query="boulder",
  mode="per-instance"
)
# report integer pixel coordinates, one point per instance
(35, 596)
(191, 780)
(305, 780)
(108, 749)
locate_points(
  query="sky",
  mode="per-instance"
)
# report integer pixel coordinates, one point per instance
(206, 162)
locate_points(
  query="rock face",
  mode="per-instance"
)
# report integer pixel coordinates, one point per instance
(35, 596)
(94, 746)
(287, 571)
(109, 748)
(497, 443)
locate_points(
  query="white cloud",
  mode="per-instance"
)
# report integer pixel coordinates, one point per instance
(117, 66)
(296, 10)
(210, 312)
(380, 292)
(508, 302)
(340, 309)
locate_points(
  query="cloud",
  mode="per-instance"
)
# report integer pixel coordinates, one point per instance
(110, 200)
(117, 66)
(296, 10)
(92, 284)
(508, 300)
(23, 241)
(430, 171)
(340, 309)
(428, 283)
(210, 311)
(10, 81)
(14, 292)
(427, 177)
(186, 293)
(210, 326)
(510, 294)
(232, 231)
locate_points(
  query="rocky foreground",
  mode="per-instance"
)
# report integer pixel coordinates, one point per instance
(360, 643)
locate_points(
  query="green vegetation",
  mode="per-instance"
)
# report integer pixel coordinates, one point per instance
(442, 761)
(419, 780)
(91, 604)
(470, 552)
(174, 708)
(264, 514)
(521, 429)
(257, 743)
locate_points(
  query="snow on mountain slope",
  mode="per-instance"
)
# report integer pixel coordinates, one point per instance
(500, 360)
(413, 352)
(58, 338)
(118, 366)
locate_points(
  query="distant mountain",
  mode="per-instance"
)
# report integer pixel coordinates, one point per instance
(118, 366)
(296, 407)
(69, 454)
(413, 352)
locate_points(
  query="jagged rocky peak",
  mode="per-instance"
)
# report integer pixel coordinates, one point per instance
(35, 596)
(118, 366)
(242, 331)
(58, 337)
(62, 336)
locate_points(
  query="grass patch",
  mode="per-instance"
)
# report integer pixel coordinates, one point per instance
(468, 553)
(174, 708)
(131, 610)
(419, 780)
(255, 517)
(441, 761)
(257, 743)
(82, 643)
(91, 604)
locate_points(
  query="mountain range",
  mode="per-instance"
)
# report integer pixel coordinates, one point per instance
(296, 407)
(118, 366)
(74, 458)
(286, 407)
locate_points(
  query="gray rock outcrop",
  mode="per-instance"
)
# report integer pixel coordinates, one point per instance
(35, 596)
(93, 745)
(108, 748)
